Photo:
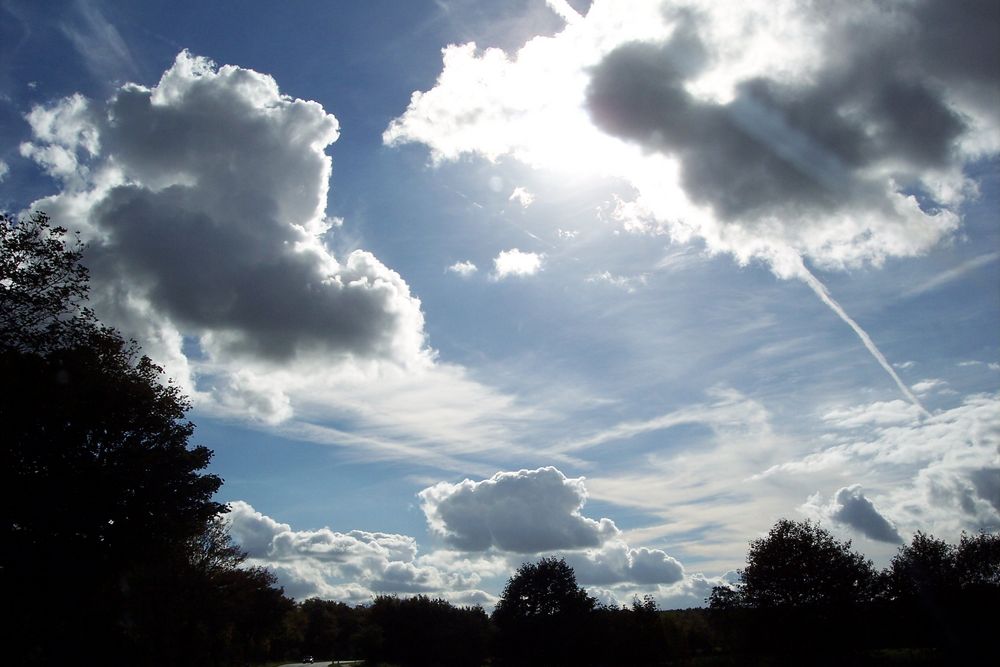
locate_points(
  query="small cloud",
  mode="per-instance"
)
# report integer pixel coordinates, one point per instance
(4, 170)
(879, 413)
(615, 562)
(514, 262)
(565, 11)
(32, 85)
(992, 365)
(627, 283)
(567, 233)
(905, 364)
(851, 508)
(522, 197)
(464, 269)
(928, 385)
(953, 274)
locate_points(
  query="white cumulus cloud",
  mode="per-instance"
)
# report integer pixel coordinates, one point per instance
(517, 263)
(351, 566)
(528, 511)
(463, 268)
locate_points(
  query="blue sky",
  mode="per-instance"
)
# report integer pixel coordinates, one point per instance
(454, 285)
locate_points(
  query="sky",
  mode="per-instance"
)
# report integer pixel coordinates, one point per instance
(455, 285)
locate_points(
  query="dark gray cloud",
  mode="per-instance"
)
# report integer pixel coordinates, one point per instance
(850, 507)
(785, 148)
(986, 482)
(205, 200)
(528, 511)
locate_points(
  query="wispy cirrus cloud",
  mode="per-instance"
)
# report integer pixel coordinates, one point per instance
(951, 275)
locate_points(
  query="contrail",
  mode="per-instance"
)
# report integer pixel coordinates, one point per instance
(825, 297)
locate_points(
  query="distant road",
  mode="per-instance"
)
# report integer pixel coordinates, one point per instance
(322, 664)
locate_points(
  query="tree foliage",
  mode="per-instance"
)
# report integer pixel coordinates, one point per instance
(113, 542)
(540, 614)
(802, 564)
(545, 588)
(43, 287)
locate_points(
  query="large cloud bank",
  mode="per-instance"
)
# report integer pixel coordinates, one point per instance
(202, 200)
(773, 130)
(352, 566)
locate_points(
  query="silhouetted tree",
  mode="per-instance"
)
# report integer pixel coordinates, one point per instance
(111, 519)
(420, 631)
(801, 578)
(977, 560)
(800, 564)
(630, 635)
(43, 287)
(542, 614)
(946, 595)
(923, 568)
(330, 629)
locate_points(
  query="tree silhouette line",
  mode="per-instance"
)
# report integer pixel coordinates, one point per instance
(115, 551)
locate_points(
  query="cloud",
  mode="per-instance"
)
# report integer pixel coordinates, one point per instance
(516, 263)
(464, 269)
(738, 127)
(617, 563)
(66, 133)
(850, 507)
(940, 472)
(214, 216)
(627, 283)
(879, 412)
(929, 385)
(351, 566)
(690, 591)
(761, 130)
(522, 197)
(495, 521)
(202, 200)
(101, 46)
(951, 275)
(355, 565)
(528, 511)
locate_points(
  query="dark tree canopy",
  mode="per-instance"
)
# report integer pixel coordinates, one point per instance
(95, 446)
(929, 568)
(541, 615)
(545, 588)
(800, 563)
(43, 287)
(926, 566)
(112, 539)
(977, 560)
